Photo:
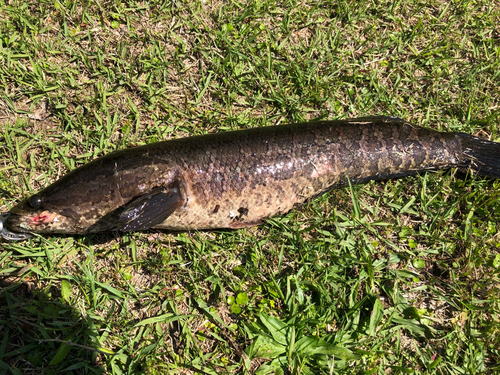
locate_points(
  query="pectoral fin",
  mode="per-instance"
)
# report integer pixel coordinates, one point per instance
(143, 212)
(150, 209)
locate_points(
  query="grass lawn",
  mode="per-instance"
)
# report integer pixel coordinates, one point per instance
(392, 277)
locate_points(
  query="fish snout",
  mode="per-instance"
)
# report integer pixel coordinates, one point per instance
(11, 220)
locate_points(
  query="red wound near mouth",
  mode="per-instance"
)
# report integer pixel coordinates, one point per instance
(44, 218)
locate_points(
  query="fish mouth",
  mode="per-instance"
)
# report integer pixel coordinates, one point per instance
(7, 234)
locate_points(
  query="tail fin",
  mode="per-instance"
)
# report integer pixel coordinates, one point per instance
(483, 156)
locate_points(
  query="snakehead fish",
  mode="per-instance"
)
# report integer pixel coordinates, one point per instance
(237, 179)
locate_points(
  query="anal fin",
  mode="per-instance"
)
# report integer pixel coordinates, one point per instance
(245, 224)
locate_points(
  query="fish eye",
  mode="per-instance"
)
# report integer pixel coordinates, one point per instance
(35, 201)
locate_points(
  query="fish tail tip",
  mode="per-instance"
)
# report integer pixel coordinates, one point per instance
(482, 156)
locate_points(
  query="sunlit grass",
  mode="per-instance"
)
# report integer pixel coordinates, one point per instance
(390, 277)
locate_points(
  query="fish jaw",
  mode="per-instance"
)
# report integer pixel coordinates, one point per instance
(43, 222)
(7, 234)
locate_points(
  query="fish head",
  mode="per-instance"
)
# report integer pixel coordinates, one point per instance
(36, 215)
(98, 196)
(71, 205)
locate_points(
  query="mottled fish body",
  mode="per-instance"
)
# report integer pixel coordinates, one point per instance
(238, 179)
